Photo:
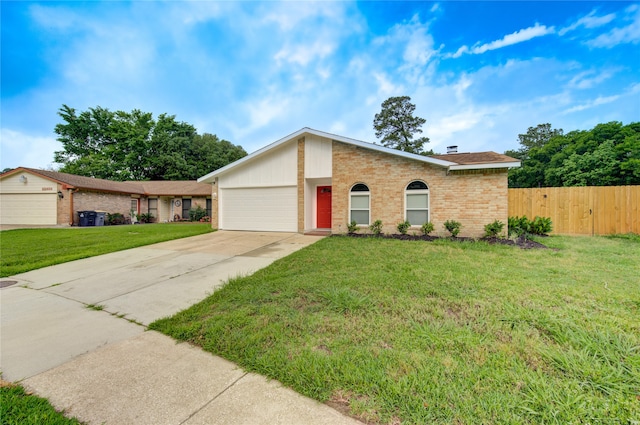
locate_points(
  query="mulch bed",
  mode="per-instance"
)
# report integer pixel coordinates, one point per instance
(520, 242)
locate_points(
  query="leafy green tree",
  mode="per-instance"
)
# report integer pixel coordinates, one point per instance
(397, 126)
(597, 168)
(133, 146)
(608, 154)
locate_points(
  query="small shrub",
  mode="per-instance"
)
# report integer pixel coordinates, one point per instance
(195, 214)
(115, 219)
(493, 229)
(352, 227)
(519, 226)
(427, 228)
(205, 219)
(541, 225)
(522, 226)
(404, 227)
(376, 227)
(145, 217)
(453, 227)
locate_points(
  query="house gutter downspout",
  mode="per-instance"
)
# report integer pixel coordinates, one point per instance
(71, 192)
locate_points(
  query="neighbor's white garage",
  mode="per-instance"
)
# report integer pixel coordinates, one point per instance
(28, 199)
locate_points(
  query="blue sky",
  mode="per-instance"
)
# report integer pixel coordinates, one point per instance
(479, 72)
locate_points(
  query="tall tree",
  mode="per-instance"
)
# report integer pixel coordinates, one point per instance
(608, 154)
(133, 146)
(397, 126)
(535, 147)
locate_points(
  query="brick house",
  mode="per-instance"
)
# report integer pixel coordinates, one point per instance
(39, 197)
(312, 180)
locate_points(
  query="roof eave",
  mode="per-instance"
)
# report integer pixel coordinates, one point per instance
(484, 166)
(210, 178)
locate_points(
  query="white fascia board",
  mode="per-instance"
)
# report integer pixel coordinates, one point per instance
(485, 166)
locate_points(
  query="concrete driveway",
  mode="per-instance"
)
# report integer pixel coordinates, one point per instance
(76, 334)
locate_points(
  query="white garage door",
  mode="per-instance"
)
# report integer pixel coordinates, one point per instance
(265, 209)
(28, 208)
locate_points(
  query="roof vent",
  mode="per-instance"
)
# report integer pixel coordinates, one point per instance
(452, 149)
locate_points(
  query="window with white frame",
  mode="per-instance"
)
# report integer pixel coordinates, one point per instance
(359, 204)
(417, 203)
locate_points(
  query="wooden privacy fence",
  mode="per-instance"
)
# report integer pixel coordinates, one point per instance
(593, 210)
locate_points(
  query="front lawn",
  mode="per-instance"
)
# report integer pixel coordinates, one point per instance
(440, 332)
(18, 407)
(22, 250)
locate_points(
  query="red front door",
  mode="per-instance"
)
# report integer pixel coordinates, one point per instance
(324, 207)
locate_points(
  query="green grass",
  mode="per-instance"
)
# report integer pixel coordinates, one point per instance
(442, 332)
(22, 250)
(19, 408)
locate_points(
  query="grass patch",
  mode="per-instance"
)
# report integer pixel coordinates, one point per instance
(20, 408)
(442, 332)
(22, 250)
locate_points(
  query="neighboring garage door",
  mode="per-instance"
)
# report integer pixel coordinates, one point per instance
(28, 208)
(265, 209)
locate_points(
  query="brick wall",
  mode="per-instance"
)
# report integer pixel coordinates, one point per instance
(474, 198)
(63, 206)
(214, 205)
(100, 201)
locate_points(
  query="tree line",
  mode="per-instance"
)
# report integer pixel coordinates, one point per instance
(134, 146)
(606, 155)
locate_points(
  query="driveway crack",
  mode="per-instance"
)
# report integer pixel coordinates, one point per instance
(213, 399)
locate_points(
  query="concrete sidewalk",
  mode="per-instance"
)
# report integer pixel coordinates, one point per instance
(76, 334)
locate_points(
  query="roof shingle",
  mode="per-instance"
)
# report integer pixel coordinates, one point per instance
(470, 158)
(158, 188)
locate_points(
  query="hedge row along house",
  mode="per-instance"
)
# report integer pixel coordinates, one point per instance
(314, 181)
(38, 197)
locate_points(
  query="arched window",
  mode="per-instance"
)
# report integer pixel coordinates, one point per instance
(417, 203)
(359, 204)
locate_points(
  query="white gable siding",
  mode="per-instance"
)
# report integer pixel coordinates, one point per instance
(317, 157)
(33, 202)
(33, 184)
(276, 168)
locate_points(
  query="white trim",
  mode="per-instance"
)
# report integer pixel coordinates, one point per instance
(258, 187)
(484, 166)
(368, 195)
(417, 192)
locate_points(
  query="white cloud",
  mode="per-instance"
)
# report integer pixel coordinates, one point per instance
(413, 39)
(291, 15)
(519, 36)
(621, 35)
(603, 100)
(589, 21)
(302, 54)
(386, 87)
(600, 100)
(589, 79)
(25, 150)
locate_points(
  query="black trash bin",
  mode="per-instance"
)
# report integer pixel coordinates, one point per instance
(87, 218)
(100, 218)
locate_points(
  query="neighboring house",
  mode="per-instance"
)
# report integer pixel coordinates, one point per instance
(314, 180)
(38, 197)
